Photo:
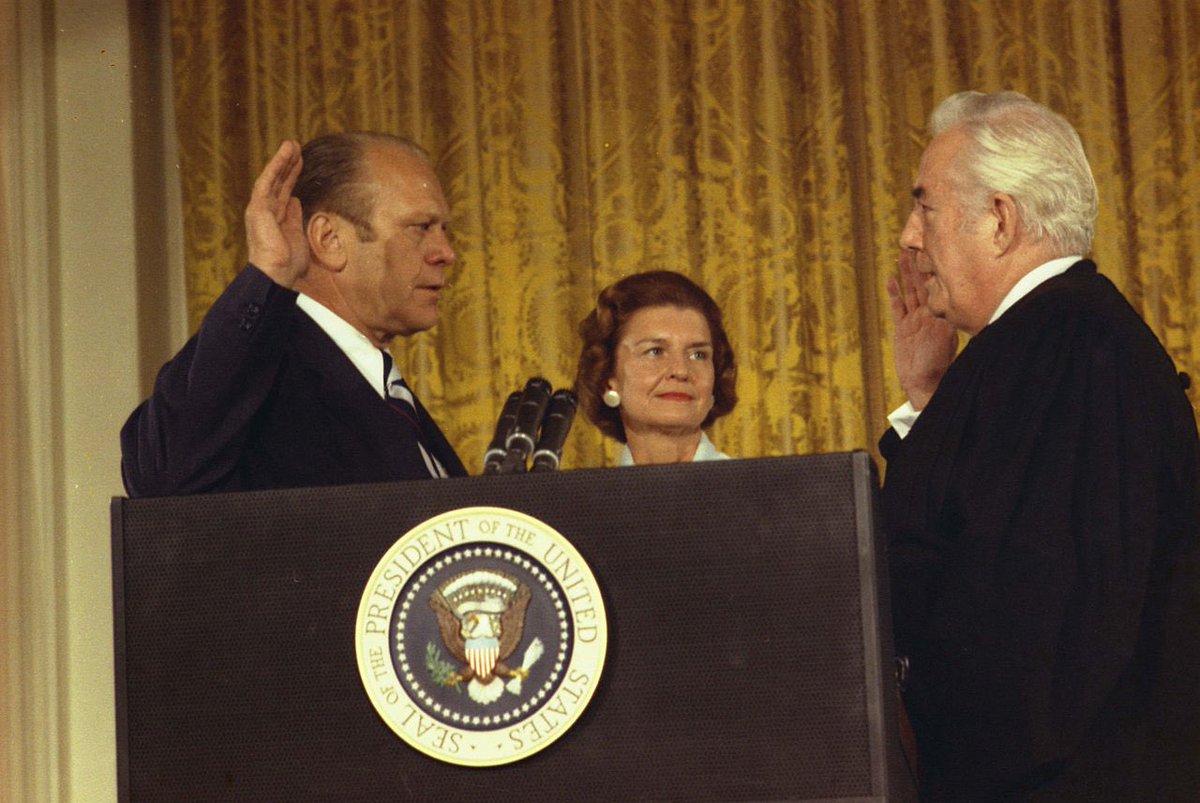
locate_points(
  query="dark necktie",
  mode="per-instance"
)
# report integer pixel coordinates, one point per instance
(400, 398)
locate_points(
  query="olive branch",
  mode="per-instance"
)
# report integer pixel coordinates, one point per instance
(442, 671)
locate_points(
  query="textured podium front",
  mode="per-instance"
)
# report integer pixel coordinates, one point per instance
(749, 652)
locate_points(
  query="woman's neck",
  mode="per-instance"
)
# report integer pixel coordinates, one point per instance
(649, 448)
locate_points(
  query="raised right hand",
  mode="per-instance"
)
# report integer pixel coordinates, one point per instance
(274, 224)
(925, 345)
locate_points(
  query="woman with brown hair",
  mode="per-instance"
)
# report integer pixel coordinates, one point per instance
(656, 368)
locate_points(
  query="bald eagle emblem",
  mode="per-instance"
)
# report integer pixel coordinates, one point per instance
(481, 618)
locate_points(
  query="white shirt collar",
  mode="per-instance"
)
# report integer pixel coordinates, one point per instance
(704, 451)
(1047, 270)
(367, 358)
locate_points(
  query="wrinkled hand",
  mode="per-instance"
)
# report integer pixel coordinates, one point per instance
(274, 227)
(925, 345)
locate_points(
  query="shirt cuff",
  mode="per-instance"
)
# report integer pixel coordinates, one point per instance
(903, 418)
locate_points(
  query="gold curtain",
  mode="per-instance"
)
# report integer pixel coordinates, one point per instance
(766, 149)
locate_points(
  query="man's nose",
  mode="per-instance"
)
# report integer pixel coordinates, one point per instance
(441, 252)
(910, 237)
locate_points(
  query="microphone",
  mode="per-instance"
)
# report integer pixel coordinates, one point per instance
(493, 458)
(559, 417)
(521, 438)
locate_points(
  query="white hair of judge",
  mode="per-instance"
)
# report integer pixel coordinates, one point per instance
(1023, 149)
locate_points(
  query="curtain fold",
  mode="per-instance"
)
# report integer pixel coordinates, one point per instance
(765, 149)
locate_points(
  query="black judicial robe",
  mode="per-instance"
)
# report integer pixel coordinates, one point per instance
(262, 398)
(1042, 521)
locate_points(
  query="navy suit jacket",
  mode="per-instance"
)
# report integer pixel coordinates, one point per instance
(262, 398)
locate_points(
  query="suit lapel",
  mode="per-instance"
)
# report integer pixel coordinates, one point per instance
(378, 435)
(380, 431)
(438, 444)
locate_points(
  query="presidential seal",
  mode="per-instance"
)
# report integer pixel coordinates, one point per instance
(481, 636)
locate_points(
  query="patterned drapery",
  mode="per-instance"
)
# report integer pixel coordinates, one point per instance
(766, 149)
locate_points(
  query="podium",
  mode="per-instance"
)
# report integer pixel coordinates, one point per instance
(749, 653)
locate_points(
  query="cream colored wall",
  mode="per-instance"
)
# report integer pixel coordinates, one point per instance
(87, 232)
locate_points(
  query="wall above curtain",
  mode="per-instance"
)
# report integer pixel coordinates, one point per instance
(765, 149)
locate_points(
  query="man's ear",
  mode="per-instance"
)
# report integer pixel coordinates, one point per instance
(1007, 221)
(325, 240)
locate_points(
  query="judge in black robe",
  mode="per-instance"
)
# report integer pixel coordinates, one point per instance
(1043, 519)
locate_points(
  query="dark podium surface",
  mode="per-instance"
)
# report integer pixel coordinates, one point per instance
(749, 652)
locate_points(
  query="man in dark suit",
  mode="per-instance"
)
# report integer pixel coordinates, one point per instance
(288, 382)
(1042, 497)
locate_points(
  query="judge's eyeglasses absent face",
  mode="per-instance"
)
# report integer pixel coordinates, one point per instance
(949, 238)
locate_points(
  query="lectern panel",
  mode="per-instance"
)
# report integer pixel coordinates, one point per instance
(749, 649)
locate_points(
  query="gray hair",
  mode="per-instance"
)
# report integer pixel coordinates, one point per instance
(1023, 149)
(333, 176)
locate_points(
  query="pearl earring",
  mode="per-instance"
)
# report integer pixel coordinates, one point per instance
(611, 398)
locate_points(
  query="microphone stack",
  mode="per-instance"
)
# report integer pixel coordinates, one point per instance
(533, 423)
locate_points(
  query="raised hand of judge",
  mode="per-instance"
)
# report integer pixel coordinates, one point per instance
(925, 345)
(274, 224)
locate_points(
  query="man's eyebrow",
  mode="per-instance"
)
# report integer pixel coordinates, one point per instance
(421, 215)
